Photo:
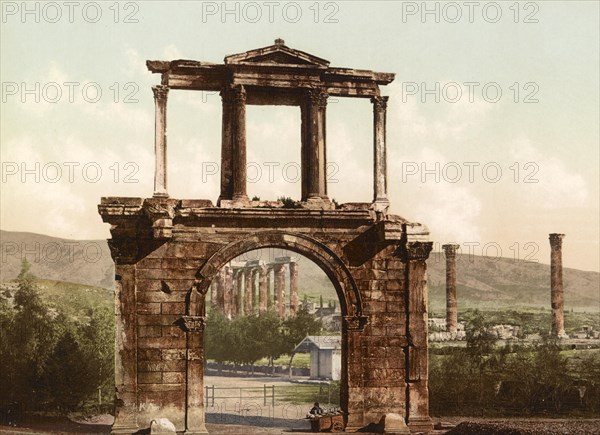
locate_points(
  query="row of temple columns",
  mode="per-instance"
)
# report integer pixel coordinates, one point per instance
(557, 300)
(313, 149)
(245, 288)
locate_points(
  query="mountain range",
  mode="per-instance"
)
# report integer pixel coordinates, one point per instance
(482, 282)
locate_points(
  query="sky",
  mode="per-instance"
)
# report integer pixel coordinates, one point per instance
(492, 123)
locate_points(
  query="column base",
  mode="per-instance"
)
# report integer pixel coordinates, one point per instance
(394, 424)
(420, 424)
(162, 194)
(318, 203)
(196, 432)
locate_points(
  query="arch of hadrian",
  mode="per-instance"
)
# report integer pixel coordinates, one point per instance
(167, 251)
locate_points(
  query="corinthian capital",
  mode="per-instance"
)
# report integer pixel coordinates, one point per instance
(556, 240)
(160, 93)
(379, 103)
(318, 97)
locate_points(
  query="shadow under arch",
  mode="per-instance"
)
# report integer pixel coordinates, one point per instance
(319, 253)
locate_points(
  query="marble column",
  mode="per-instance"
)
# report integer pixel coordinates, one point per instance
(248, 288)
(380, 199)
(314, 155)
(239, 301)
(221, 290)
(556, 285)
(213, 293)
(293, 288)
(227, 136)
(451, 304)
(279, 270)
(240, 196)
(255, 291)
(228, 292)
(263, 294)
(160, 140)
(270, 297)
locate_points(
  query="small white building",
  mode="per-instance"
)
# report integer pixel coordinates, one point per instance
(325, 355)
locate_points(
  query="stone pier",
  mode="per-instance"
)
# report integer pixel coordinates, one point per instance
(451, 304)
(556, 286)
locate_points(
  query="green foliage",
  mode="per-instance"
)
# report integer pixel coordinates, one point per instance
(512, 380)
(288, 202)
(247, 339)
(52, 360)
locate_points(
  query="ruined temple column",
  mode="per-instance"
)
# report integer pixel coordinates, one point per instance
(314, 161)
(239, 146)
(293, 288)
(280, 289)
(255, 292)
(228, 292)
(263, 293)
(248, 302)
(269, 298)
(380, 199)
(221, 290)
(160, 140)
(556, 285)
(239, 294)
(451, 305)
(213, 293)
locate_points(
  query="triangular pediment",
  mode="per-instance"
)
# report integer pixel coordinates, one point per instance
(277, 54)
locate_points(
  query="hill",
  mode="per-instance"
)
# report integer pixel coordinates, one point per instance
(79, 261)
(500, 283)
(482, 282)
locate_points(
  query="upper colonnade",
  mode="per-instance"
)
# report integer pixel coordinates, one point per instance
(273, 75)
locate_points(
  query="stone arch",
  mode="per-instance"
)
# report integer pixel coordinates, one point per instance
(333, 266)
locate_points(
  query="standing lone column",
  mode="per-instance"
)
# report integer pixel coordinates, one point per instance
(556, 285)
(160, 140)
(293, 288)
(451, 305)
(380, 199)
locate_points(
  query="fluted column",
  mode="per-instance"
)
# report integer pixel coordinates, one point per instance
(255, 291)
(451, 304)
(239, 301)
(213, 293)
(556, 285)
(279, 270)
(248, 302)
(380, 198)
(221, 290)
(160, 140)
(228, 292)
(293, 288)
(270, 301)
(263, 294)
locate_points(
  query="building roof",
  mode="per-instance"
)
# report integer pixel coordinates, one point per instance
(321, 342)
